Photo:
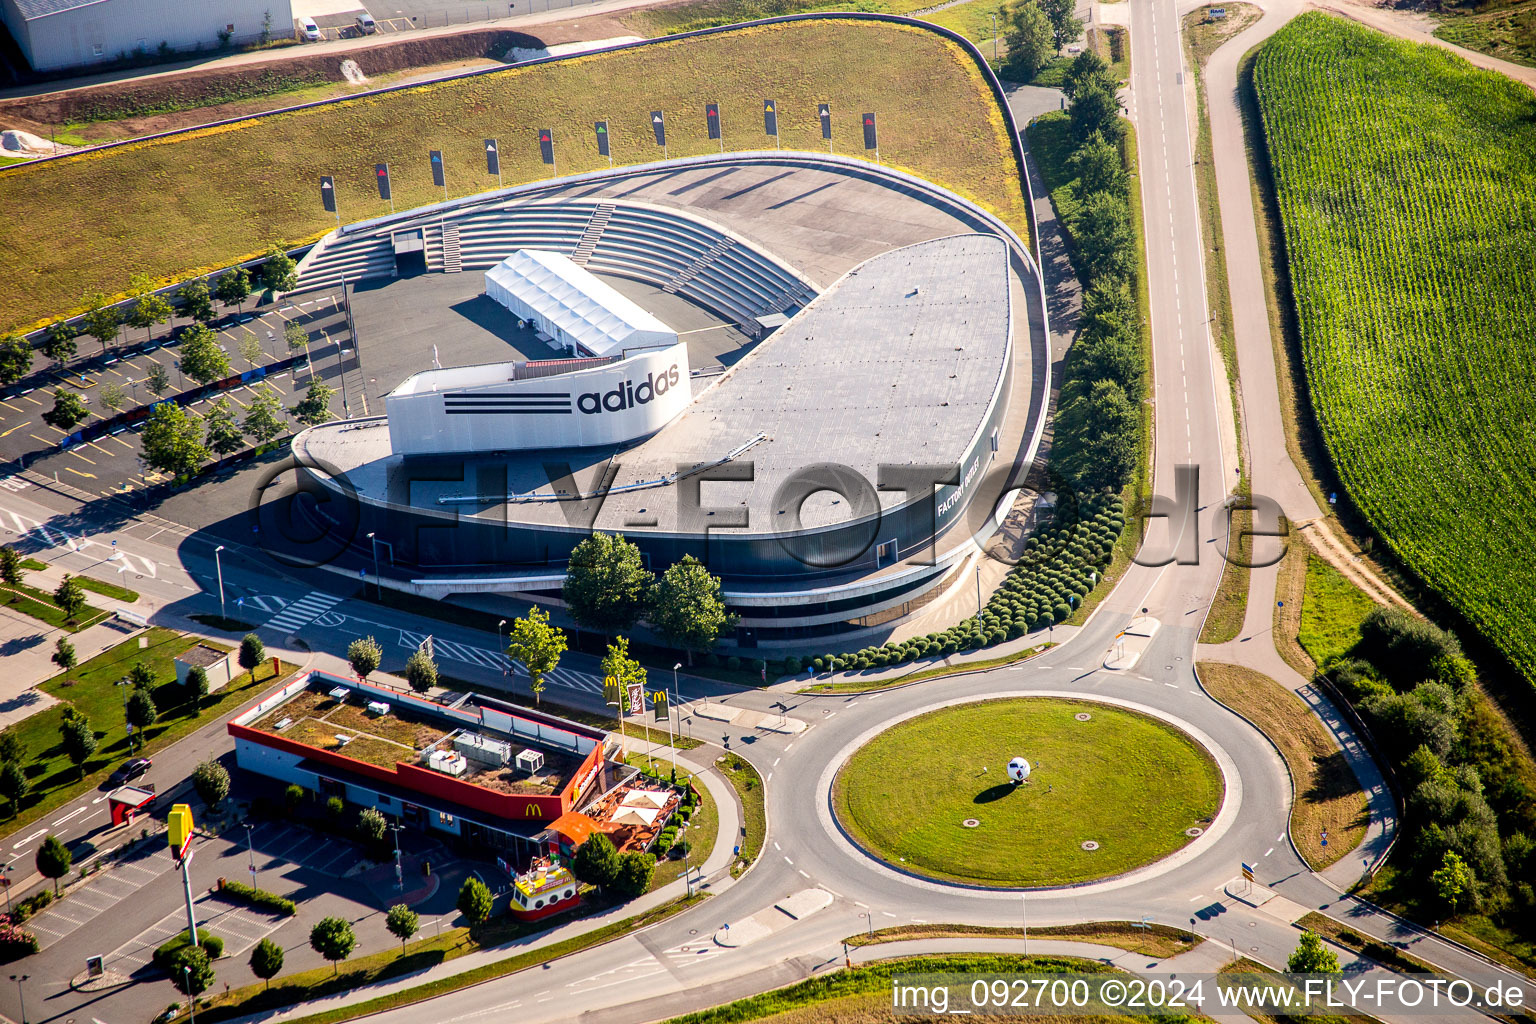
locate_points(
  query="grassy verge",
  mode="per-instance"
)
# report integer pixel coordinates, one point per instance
(860, 686)
(33, 564)
(1126, 785)
(1387, 955)
(1230, 605)
(863, 994)
(106, 589)
(320, 982)
(952, 133)
(38, 604)
(1332, 609)
(1393, 887)
(1157, 940)
(91, 689)
(222, 623)
(1328, 799)
(754, 808)
(974, 20)
(1290, 597)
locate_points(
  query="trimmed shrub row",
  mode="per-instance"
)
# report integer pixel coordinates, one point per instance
(259, 898)
(1061, 565)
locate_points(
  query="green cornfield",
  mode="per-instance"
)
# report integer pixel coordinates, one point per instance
(1406, 183)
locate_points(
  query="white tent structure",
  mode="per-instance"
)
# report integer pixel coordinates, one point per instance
(570, 305)
(646, 798)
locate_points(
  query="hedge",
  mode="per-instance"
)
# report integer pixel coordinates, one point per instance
(259, 898)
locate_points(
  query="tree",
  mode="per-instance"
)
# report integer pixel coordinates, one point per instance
(1064, 27)
(1098, 167)
(64, 654)
(10, 566)
(371, 824)
(113, 397)
(606, 583)
(686, 607)
(222, 428)
(263, 417)
(141, 710)
(66, 412)
(420, 671)
(1104, 235)
(233, 287)
(474, 901)
(197, 685)
(201, 357)
(596, 861)
(211, 780)
(195, 304)
(250, 349)
(296, 336)
(1084, 66)
(69, 596)
(59, 344)
(1096, 108)
(1312, 957)
(267, 960)
(1453, 879)
(538, 645)
(13, 784)
(11, 748)
(402, 923)
(315, 406)
(53, 860)
(252, 653)
(1097, 434)
(78, 740)
(158, 379)
(192, 970)
(364, 654)
(617, 664)
(150, 309)
(100, 321)
(173, 440)
(15, 358)
(277, 273)
(1029, 37)
(635, 873)
(333, 939)
(141, 676)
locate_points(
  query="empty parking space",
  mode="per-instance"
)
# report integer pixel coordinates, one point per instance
(85, 904)
(239, 927)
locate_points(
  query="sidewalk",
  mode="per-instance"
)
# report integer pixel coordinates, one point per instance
(27, 646)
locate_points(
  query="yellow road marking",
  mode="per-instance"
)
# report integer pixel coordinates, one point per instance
(77, 455)
(99, 448)
(16, 428)
(120, 441)
(33, 401)
(42, 439)
(71, 469)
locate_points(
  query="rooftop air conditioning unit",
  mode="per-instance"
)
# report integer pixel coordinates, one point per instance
(378, 707)
(530, 761)
(447, 762)
(483, 749)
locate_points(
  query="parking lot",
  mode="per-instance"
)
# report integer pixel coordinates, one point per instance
(111, 464)
(88, 902)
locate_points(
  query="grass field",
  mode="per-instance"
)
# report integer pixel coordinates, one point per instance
(1328, 796)
(1404, 179)
(91, 688)
(201, 200)
(1120, 779)
(1332, 609)
(38, 603)
(1505, 30)
(1156, 940)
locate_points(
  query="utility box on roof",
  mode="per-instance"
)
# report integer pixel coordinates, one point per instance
(483, 749)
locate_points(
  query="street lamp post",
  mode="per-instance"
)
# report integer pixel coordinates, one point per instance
(18, 979)
(250, 850)
(5, 873)
(870, 921)
(670, 741)
(399, 874)
(124, 683)
(978, 590)
(186, 972)
(377, 586)
(1024, 902)
(219, 565)
(501, 638)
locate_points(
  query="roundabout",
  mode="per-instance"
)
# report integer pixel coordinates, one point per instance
(1103, 793)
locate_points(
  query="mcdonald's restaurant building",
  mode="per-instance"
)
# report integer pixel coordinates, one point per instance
(489, 776)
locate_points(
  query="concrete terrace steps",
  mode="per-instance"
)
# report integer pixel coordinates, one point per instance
(593, 234)
(701, 261)
(452, 257)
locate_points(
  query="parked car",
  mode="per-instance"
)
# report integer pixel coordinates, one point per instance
(131, 770)
(310, 31)
(366, 25)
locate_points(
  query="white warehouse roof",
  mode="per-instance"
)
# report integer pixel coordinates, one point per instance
(572, 305)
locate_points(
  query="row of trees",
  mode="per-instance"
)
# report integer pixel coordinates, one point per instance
(105, 322)
(1471, 812)
(177, 440)
(1035, 31)
(609, 590)
(1098, 422)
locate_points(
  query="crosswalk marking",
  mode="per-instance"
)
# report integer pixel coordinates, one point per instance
(303, 611)
(484, 657)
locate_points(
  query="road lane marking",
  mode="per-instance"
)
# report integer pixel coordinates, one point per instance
(1269, 851)
(35, 835)
(72, 814)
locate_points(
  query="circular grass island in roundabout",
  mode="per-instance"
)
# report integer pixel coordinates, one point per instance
(1105, 794)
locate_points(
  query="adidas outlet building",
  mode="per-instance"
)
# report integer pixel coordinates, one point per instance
(868, 382)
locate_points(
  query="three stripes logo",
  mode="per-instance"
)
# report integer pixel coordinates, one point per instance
(508, 403)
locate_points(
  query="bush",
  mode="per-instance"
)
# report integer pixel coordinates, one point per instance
(212, 945)
(335, 807)
(733, 663)
(15, 943)
(792, 665)
(635, 873)
(239, 892)
(680, 849)
(1407, 649)
(293, 796)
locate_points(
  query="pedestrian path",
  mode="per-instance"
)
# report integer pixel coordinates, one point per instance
(85, 904)
(303, 611)
(487, 657)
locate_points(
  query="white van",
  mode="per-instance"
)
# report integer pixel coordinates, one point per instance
(366, 25)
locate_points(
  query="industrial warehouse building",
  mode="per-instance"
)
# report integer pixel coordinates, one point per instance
(57, 34)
